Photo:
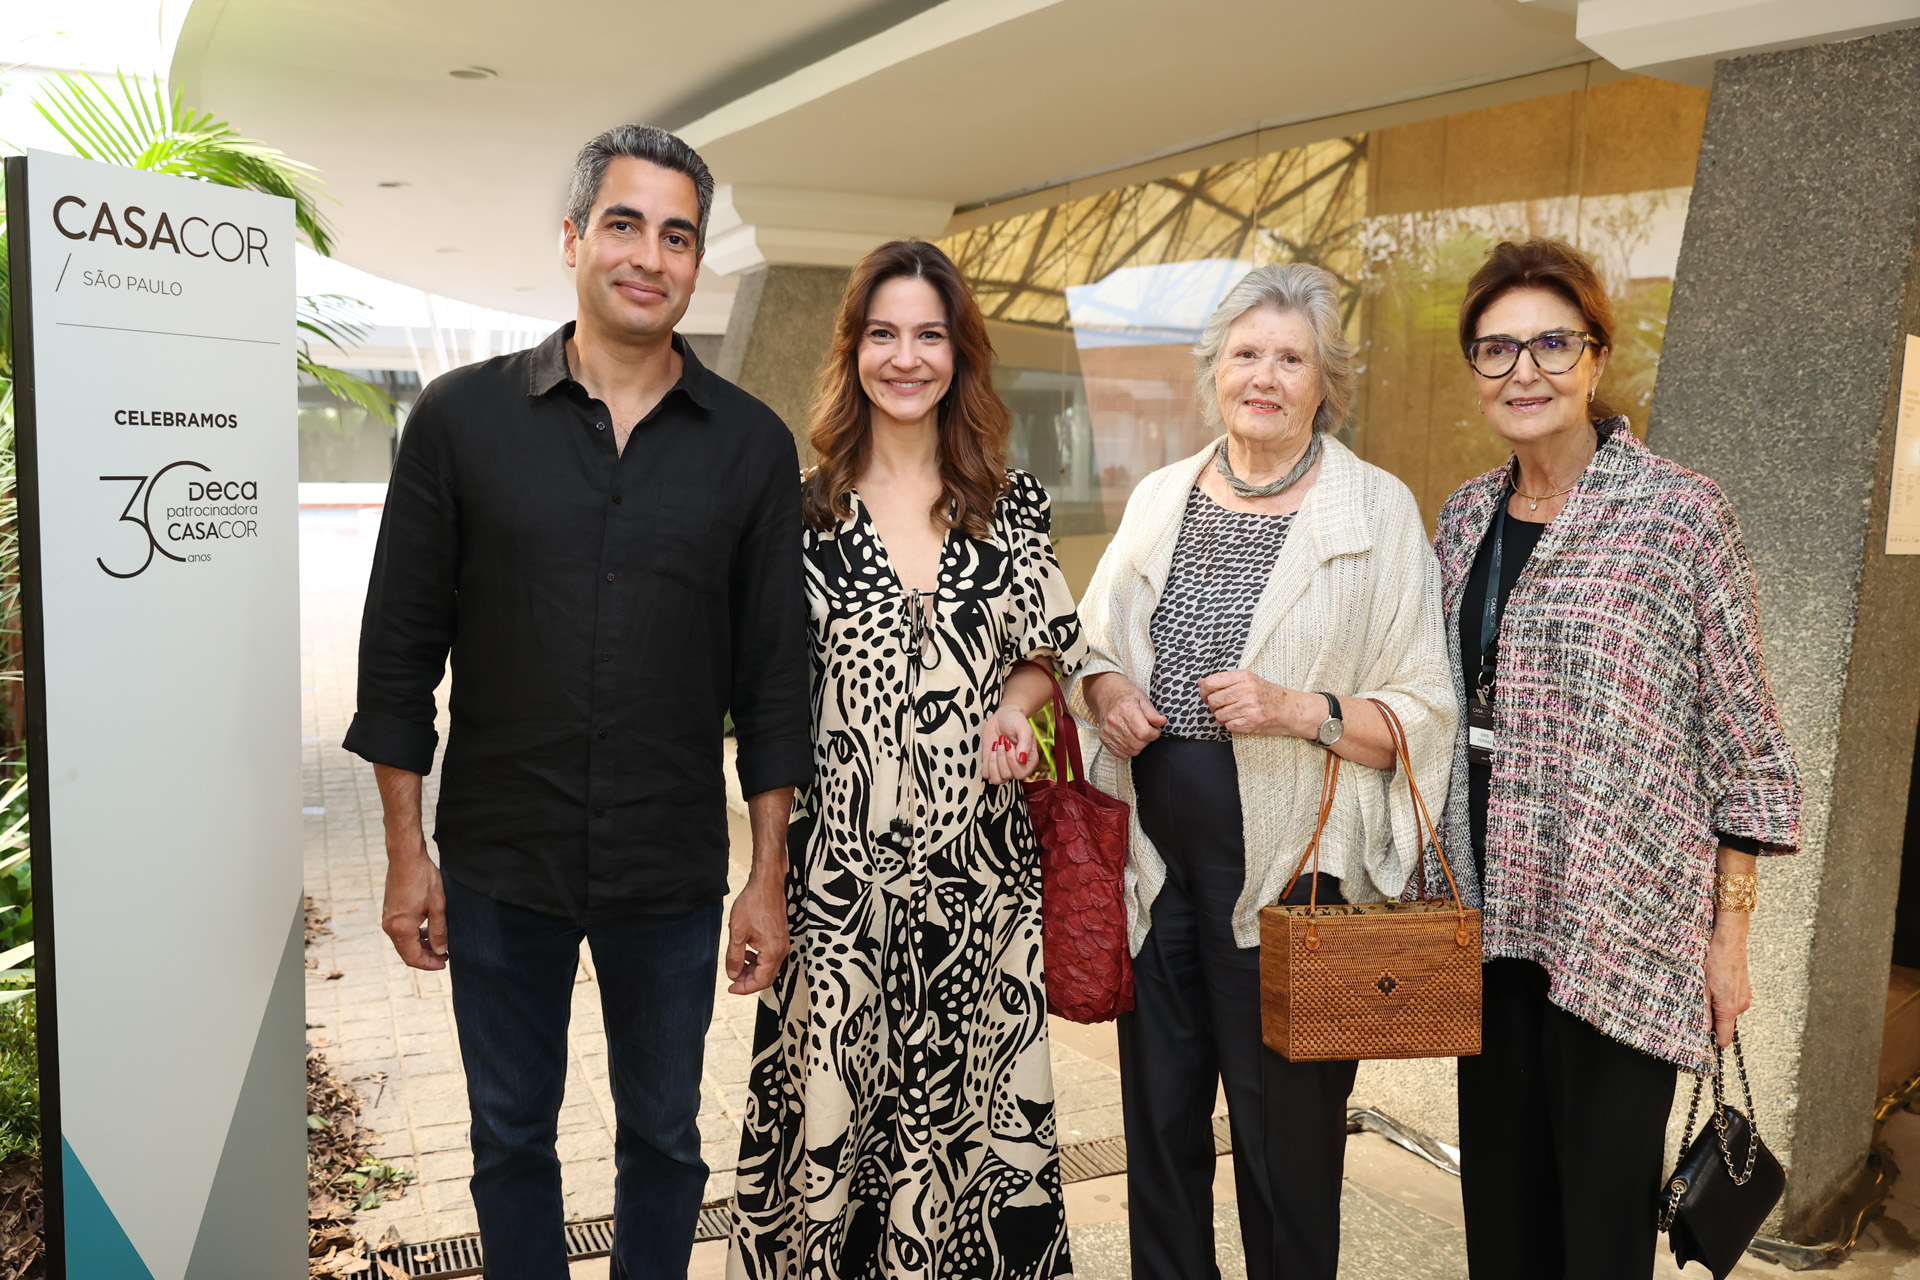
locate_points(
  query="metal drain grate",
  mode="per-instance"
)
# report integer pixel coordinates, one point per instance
(460, 1255)
(715, 1222)
(442, 1259)
(1105, 1157)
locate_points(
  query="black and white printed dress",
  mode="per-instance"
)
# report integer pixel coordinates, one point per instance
(900, 1118)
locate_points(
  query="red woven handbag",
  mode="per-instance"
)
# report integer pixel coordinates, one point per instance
(1083, 861)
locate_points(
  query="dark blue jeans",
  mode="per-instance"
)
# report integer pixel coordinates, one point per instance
(512, 972)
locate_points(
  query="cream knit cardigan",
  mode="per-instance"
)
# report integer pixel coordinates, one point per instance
(1352, 607)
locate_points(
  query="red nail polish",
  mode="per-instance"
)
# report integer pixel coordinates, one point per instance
(1023, 757)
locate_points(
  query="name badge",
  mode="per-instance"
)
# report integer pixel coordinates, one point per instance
(1482, 741)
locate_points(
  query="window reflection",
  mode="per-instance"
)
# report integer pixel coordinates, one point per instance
(1094, 303)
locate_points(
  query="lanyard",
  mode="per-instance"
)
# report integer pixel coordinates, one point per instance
(1491, 610)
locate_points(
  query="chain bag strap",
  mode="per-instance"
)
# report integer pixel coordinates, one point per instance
(1726, 1182)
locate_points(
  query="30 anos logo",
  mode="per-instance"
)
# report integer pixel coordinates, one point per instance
(182, 512)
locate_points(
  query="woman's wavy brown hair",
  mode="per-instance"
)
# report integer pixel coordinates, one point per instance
(1541, 263)
(973, 422)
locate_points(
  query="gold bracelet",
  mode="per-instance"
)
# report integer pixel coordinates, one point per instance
(1736, 891)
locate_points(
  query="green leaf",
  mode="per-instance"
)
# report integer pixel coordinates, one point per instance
(161, 136)
(330, 318)
(8, 959)
(353, 390)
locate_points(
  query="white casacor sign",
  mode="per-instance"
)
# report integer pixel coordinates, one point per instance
(154, 345)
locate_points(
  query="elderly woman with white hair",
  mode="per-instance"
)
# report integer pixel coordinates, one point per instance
(1255, 597)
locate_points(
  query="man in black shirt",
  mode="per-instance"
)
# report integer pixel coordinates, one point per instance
(605, 537)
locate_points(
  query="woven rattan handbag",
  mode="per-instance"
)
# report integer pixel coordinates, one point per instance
(1083, 865)
(1376, 979)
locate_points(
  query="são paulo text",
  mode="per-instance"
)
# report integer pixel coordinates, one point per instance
(129, 284)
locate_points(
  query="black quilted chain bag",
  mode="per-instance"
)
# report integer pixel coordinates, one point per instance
(1726, 1183)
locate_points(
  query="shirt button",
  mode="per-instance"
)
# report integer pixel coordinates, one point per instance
(603, 733)
(599, 813)
(599, 426)
(609, 577)
(617, 499)
(606, 655)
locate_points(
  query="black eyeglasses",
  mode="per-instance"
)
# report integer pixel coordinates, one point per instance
(1555, 351)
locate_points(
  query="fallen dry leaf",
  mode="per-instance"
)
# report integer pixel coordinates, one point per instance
(21, 1240)
(333, 975)
(340, 1171)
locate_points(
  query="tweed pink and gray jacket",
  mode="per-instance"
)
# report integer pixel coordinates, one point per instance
(1636, 721)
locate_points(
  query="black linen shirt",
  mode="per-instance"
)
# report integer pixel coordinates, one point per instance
(604, 611)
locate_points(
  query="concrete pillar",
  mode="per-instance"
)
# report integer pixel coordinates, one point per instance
(781, 327)
(1798, 279)
(792, 249)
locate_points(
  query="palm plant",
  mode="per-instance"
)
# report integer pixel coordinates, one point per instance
(328, 317)
(159, 135)
(151, 131)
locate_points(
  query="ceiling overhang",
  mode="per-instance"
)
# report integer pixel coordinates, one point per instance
(456, 185)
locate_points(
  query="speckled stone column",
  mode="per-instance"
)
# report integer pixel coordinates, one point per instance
(780, 329)
(1797, 283)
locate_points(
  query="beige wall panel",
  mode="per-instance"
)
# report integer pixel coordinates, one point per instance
(1642, 134)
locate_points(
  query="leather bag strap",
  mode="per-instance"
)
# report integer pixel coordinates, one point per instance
(1399, 732)
(1329, 784)
(1064, 728)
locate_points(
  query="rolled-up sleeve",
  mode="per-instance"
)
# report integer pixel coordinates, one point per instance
(1749, 771)
(407, 628)
(768, 699)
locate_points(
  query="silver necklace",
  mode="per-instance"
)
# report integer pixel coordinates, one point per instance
(1251, 491)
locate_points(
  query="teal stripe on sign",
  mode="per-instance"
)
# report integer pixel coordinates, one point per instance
(97, 1246)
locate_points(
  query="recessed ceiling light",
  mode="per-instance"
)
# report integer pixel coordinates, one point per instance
(447, 250)
(523, 288)
(473, 73)
(391, 184)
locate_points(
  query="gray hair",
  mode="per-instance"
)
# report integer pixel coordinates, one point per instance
(636, 142)
(1306, 290)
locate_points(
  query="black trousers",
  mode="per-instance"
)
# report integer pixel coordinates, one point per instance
(1563, 1136)
(1195, 1026)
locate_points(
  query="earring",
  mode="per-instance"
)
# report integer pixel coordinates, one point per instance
(1592, 391)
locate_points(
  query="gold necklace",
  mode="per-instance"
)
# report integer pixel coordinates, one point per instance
(1534, 500)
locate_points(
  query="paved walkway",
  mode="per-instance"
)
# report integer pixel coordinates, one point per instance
(390, 1028)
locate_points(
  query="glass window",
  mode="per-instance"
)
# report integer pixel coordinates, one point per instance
(1094, 304)
(343, 443)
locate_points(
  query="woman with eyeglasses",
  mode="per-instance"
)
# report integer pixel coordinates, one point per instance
(1625, 764)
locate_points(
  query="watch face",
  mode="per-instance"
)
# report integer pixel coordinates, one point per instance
(1330, 731)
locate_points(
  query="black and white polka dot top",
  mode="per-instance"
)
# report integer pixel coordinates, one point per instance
(1220, 566)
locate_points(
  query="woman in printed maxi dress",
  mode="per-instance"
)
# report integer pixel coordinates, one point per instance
(900, 1118)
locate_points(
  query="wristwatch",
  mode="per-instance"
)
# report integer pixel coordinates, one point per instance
(1333, 726)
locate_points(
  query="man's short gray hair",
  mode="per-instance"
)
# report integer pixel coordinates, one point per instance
(1308, 291)
(636, 142)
